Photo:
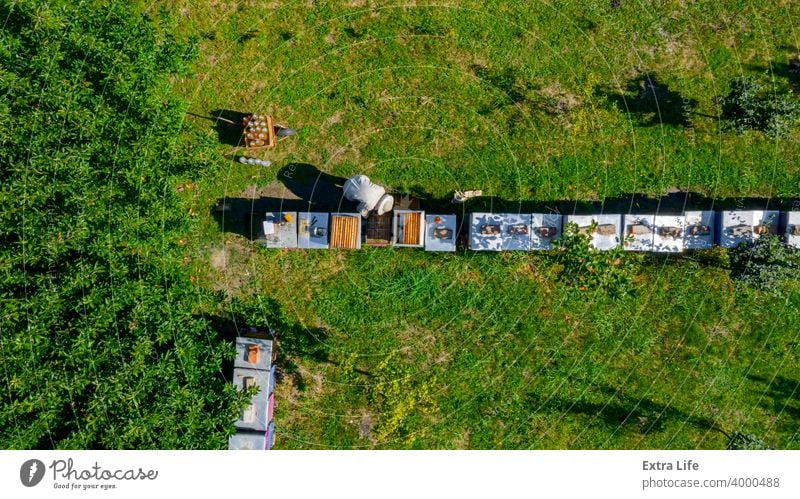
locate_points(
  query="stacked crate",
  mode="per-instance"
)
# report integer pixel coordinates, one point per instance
(254, 366)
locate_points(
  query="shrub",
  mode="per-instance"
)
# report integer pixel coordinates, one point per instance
(742, 441)
(766, 264)
(751, 105)
(589, 270)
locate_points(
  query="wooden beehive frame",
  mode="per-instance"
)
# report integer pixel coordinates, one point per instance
(411, 226)
(344, 231)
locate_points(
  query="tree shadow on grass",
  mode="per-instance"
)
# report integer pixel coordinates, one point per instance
(652, 102)
(786, 72)
(782, 396)
(619, 410)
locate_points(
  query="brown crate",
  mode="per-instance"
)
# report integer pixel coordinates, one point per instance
(268, 142)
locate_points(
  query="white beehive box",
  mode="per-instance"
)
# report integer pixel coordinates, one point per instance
(669, 233)
(792, 232)
(253, 353)
(516, 232)
(312, 230)
(639, 231)
(694, 237)
(486, 232)
(280, 229)
(253, 417)
(440, 233)
(545, 220)
(248, 441)
(600, 241)
(741, 226)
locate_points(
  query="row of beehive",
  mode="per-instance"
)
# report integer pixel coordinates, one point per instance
(254, 367)
(634, 232)
(316, 230)
(536, 231)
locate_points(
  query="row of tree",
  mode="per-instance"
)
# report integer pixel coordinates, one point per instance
(103, 343)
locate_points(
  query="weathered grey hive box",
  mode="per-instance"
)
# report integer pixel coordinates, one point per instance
(280, 229)
(639, 232)
(408, 228)
(486, 232)
(608, 233)
(545, 228)
(669, 233)
(253, 353)
(248, 441)
(440, 232)
(745, 226)
(312, 230)
(700, 229)
(253, 417)
(516, 232)
(792, 233)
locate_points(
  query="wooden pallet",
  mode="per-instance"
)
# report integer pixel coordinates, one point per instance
(344, 232)
(411, 227)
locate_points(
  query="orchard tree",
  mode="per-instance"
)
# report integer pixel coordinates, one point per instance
(102, 339)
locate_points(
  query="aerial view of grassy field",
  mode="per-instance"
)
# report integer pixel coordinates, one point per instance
(615, 106)
(537, 102)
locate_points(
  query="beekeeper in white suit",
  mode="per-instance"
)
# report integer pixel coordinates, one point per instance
(370, 197)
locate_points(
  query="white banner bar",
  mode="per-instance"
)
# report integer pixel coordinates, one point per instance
(401, 474)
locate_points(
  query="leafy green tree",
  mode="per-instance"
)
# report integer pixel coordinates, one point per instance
(751, 105)
(102, 339)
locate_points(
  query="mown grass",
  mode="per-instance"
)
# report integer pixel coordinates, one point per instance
(524, 101)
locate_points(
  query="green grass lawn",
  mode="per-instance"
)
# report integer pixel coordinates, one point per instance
(540, 101)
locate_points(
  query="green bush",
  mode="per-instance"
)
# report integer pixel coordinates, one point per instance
(751, 105)
(746, 441)
(588, 270)
(767, 264)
